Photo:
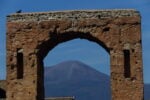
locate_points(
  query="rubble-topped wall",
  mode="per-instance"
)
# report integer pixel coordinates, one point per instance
(72, 15)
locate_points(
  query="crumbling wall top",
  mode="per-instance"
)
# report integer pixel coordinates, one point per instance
(17, 17)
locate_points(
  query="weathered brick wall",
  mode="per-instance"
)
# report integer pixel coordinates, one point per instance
(30, 36)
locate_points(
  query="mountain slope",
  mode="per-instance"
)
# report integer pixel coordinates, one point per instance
(73, 78)
(146, 91)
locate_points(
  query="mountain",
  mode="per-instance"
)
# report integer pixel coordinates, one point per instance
(74, 78)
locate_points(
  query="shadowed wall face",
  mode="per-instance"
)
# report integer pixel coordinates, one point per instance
(31, 36)
(2, 93)
(2, 89)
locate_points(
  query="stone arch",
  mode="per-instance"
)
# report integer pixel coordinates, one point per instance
(30, 36)
(54, 40)
(45, 47)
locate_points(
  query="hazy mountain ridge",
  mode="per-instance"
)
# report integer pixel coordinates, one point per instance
(146, 91)
(74, 78)
(73, 69)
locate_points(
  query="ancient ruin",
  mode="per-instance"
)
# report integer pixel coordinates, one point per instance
(30, 36)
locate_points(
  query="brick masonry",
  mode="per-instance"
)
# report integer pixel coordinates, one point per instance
(30, 36)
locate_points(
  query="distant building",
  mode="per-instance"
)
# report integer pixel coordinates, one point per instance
(60, 98)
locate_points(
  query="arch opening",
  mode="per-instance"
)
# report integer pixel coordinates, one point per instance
(76, 59)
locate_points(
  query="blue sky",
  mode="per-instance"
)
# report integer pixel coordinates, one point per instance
(11, 6)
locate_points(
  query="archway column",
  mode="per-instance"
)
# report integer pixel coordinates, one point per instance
(26, 86)
(126, 87)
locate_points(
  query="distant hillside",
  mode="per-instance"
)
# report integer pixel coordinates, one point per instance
(73, 78)
(147, 92)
